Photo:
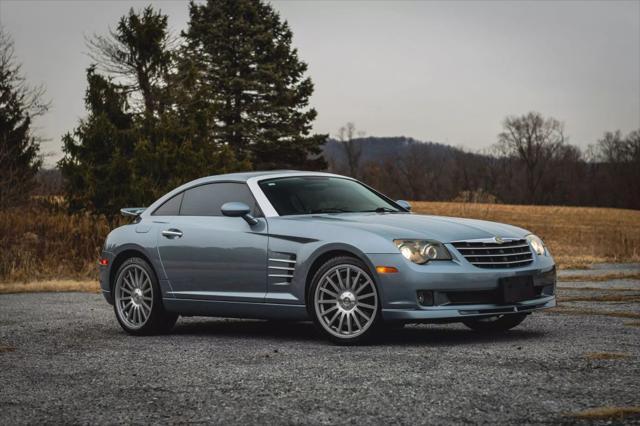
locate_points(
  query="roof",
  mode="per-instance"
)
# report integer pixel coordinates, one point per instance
(244, 176)
(248, 177)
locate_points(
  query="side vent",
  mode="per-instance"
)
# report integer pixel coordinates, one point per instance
(281, 268)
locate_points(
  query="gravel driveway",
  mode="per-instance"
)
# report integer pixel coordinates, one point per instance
(64, 359)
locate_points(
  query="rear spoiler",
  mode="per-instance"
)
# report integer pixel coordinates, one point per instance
(132, 211)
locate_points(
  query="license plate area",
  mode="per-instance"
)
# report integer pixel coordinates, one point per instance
(517, 289)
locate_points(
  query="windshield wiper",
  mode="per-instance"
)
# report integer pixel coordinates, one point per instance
(381, 210)
(330, 210)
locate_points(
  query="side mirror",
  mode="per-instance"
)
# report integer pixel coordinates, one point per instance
(237, 209)
(404, 204)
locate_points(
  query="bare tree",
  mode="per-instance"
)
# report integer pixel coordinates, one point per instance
(614, 148)
(420, 171)
(534, 140)
(352, 149)
(616, 160)
(610, 148)
(633, 146)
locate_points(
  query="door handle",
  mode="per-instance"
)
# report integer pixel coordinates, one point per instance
(172, 233)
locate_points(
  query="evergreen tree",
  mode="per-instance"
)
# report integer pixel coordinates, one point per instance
(96, 164)
(137, 142)
(251, 83)
(140, 52)
(234, 97)
(19, 148)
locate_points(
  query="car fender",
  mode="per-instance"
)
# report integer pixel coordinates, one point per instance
(124, 239)
(308, 267)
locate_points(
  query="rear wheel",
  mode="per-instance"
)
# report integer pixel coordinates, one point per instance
(345, 301)
(138, 304)
(496, 323)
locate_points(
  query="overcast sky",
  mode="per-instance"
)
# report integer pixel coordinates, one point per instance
(441, 71)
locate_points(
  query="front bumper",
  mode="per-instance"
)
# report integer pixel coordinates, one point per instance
(460, 312)
(460, 290)
(104, 272)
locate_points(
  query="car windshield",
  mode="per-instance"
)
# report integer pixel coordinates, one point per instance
(322, 194)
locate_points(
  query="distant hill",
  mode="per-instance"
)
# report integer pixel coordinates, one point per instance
(379, 149)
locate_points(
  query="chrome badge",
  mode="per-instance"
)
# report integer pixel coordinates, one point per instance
(498, 240)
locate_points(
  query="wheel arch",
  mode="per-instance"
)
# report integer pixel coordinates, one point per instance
(322, 255)
(127, 252)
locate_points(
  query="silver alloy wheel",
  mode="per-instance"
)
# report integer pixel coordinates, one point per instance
(346, 301)
(134, 296)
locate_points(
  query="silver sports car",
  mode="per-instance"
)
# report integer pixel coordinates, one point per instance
(305, 245)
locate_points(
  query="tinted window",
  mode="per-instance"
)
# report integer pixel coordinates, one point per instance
(171, 207)
(318, 194)
(206, 200)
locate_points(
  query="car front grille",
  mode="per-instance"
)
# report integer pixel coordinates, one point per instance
(495, 255)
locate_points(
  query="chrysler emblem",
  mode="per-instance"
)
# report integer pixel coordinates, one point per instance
(498, 240)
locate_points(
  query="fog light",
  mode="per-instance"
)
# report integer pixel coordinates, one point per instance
(425, 297)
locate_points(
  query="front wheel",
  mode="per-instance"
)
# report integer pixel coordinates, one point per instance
(344, 301)
(138, 304)
(496, 323)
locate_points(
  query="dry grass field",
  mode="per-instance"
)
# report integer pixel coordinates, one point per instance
(50, 286)
(39, 245)
(576, 236)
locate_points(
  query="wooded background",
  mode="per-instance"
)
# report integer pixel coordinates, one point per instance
(230, 93)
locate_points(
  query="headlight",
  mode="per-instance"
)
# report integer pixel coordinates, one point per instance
(422, 251)
(537, 245)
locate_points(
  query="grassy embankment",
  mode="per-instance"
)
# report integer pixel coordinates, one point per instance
(48, 250)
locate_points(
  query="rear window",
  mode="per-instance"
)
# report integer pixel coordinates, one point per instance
(207, 200)
(171, 207)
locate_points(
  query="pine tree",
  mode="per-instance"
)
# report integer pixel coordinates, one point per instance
(158, 116)
(139, 53)
(143, 136)
(19, 148)
(96, 164)
(251, 84)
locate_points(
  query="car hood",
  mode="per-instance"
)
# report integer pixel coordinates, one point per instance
(399, 226)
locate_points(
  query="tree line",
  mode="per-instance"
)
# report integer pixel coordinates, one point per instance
(531, 163)
(230, 93)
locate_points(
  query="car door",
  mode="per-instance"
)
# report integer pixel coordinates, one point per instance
(208, 256)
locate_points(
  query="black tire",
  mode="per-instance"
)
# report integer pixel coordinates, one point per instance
(158, 320)
(369, 326)
(495, 324)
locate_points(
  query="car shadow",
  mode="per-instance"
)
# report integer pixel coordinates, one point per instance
(288, 330)
(448, 335)
(413, 335)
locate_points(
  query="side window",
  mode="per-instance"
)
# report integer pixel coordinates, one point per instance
(207, 200)
(171, 207)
